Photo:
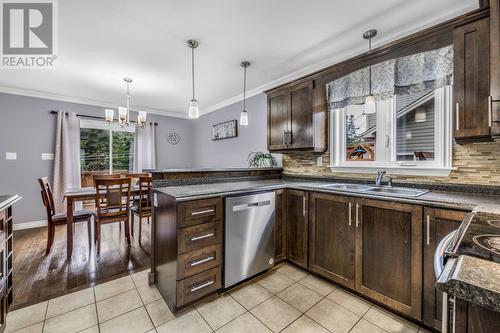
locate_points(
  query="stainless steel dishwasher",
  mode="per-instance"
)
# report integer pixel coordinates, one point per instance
(249, 236)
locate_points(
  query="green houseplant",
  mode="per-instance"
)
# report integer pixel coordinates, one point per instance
(261, 160)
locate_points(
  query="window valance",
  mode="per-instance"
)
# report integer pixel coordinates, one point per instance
(411, 74)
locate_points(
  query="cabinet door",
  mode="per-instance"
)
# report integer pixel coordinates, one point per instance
(437, 224)
(277, 120)
(389, 254)
(301, 116)
(332, 237)
(495, 65)
(471, 318)
(471, 88)
(296, 227)
(280, 226)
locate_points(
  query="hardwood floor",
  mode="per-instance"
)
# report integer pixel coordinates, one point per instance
(38, 277)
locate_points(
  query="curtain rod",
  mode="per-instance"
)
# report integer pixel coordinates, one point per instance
(96, 117)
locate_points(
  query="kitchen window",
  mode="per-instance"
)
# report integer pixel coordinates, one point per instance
(409, 134)
(105, 149)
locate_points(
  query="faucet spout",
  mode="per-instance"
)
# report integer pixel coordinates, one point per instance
(378, 179)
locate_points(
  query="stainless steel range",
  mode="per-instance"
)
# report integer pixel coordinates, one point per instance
(478, 236)
(249, 236)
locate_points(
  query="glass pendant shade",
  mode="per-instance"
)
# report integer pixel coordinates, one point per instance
(370, 105)
(194, 111)
(109, 114)
(141, 118)
(244, 118)
(122, 115)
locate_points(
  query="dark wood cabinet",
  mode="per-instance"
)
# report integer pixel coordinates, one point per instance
(332, 237)
(495, 66)
(297, 118)
(280, 226)
(389, 254)
(297, 227)
(437, 224)
(471, 86)
(471, 318)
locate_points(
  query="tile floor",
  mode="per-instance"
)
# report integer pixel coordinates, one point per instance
(285, 299)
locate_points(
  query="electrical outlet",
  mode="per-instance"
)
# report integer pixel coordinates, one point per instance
(319, 161)
(11, 156)
(47, 156)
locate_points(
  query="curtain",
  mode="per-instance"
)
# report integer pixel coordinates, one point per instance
(411, 74)
(145, 148)
(66, 157)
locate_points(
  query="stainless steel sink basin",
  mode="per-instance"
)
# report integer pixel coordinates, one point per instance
(346, 187)
(396, 191)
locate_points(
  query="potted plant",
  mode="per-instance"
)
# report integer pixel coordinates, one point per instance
(261, 160)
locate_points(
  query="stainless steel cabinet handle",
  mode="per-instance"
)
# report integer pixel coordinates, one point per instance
(201, 286)
(201, 261)
(304, 210)
(284, 137)
(428, 231)
(194, 239)
(457, 114)
(357, 215)
(203, 212)
(289, 137)
(489, 110)
(350, 213)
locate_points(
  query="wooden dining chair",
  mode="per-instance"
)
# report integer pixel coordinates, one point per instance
(142, 206)
(54, 219)
(112, 201)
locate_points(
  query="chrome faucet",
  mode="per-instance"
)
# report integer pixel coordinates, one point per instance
(378, 179)
(380, 176)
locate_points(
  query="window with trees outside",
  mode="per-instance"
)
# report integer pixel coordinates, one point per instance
(408, 134)
(105, 149)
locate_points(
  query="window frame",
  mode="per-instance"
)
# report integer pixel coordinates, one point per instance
(113, 127)
(385, 156)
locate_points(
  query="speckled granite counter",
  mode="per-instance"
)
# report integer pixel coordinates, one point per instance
(452, 200)
(472, 279)
(8, 200)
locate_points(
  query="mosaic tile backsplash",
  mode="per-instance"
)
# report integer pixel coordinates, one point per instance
(475, 163)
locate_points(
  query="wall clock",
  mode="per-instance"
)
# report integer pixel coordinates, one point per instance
(173, 138)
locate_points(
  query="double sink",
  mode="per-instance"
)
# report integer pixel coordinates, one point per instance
(380, 190)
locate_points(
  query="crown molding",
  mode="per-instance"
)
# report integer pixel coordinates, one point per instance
(85, 101)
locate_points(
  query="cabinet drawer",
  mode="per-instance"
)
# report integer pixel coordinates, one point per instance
(197, 286)
(199, 236)
(199, 211)
(197, 261)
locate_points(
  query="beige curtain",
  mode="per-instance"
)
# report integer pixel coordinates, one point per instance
(145, 148)
(66, 157)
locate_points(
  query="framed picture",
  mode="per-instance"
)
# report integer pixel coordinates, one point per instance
(225, 130)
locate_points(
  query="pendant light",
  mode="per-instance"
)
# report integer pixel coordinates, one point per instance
(124, 111)
(244, 113)
(194, 111)
(370, 101)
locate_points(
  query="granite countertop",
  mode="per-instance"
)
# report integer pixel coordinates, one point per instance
(472, 279)
(452, 200)
(210, 170)
(8, 200)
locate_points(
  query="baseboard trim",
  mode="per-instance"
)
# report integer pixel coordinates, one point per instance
(29, 225)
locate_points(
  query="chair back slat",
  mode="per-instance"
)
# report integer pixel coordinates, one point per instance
(47, 197)
(112, 197)
(145, 193)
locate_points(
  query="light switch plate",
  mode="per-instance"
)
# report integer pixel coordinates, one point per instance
(47, 156)
(11, 156)
(319, 161)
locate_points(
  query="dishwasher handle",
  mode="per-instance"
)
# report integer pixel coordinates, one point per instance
(254, 204)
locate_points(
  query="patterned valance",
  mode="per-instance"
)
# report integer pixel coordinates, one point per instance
(411, 74)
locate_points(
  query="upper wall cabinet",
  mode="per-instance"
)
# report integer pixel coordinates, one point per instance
(297, 118)
(495, 65)
(471, 86)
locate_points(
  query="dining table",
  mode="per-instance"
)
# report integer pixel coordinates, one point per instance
(78, 195)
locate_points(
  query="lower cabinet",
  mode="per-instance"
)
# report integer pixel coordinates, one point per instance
(332, 237)
(280, 226)
(297, 227)
(437, 224)
(470, 318)
(389, 254)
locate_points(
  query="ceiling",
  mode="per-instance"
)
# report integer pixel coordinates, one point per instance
(100, 42)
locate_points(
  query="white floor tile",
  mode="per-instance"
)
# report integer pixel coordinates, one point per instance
(113, 288)
(117, 305)
(73, 321)
(70, 302)
(135, 321)
(26, 316)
